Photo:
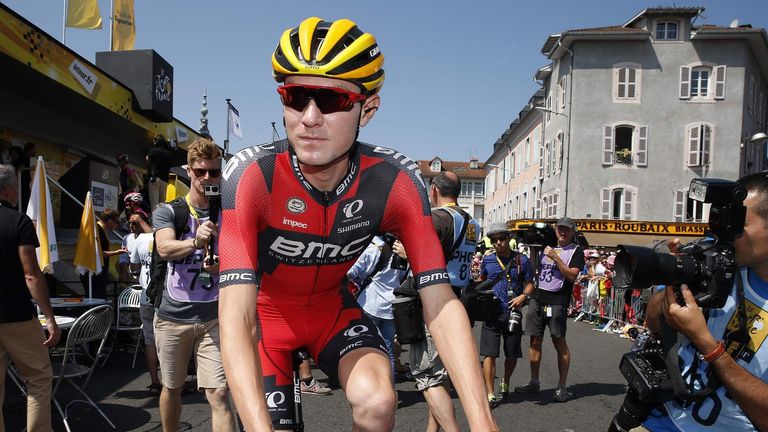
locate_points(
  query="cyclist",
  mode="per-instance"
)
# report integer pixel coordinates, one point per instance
(296, 215)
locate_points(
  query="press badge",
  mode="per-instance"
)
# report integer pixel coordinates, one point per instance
(548, 310)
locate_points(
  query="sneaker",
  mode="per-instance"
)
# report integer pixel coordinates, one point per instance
(504, 390)
(315, 388)
(561, 394)
(492, 401)
(531, 387)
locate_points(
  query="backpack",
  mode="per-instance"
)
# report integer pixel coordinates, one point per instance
(159, 268)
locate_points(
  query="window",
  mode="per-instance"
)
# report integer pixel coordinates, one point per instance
(666, 30)
(479, 189)
(563, 84)
(625, 144)
(511, 166)
(505, 169)
(435, 165)
(553, 157)
(699, 146)
(548, 113)
(702, 82)
(528, 152)
(534, 203)
(541, 161)
(546, 159)
(626, 82)
(618, 202)
(688, 210)
(466, 189)
(491, 179)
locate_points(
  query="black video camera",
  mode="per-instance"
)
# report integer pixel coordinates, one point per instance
(538, 234)
(398, 262)
(213, 192)
(708, 268)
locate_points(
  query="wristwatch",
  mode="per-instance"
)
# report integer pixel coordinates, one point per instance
(527, 296)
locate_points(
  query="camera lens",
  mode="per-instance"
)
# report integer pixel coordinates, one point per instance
(640, 267)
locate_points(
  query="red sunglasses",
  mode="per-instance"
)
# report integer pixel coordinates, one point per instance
(213, 172)
(328, 99)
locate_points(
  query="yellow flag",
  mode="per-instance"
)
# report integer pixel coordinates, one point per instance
(88, 249)
(83, 14)
(40, 211)
(123, 25)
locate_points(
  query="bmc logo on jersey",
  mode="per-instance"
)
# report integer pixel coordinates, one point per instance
(432, 278)
(351, 208)
(317, 250)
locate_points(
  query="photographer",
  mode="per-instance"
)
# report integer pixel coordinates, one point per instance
(710, 355)
(513, 290)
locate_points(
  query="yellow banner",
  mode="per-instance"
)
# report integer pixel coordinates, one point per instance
(123, 25)
(83, 14)
(623, 227)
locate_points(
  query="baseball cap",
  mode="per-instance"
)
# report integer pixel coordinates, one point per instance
(566, 222)
(497, 228)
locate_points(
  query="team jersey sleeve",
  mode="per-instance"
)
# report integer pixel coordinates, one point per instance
(244, 196)
(408, 215)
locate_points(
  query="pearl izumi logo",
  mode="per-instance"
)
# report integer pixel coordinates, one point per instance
(275, 399)
(296, 206)
(352, 208)
(83, 75)
(355, 331)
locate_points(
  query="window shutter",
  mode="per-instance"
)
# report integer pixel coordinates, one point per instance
(642, 147)
(546, 158)
(694, 156)
(605, 206)
(685, 82)
(719, 82)
(560, 152)
(555, 198)
(541, 162)
(607, 145)
(680, 206)
(706, 141)
(628, 199)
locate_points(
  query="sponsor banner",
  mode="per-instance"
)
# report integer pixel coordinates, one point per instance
(624, 227)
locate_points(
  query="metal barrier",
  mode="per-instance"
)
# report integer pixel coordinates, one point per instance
(612, 312)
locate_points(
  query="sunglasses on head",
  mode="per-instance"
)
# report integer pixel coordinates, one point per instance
(212, 172)
(494, 239)
(328, 99)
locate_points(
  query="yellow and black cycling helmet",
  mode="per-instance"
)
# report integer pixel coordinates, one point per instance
(330, 49)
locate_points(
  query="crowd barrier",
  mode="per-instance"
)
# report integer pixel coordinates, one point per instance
(615, 310)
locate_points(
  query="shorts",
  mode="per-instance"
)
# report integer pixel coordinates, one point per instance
(328, 330)
(495, 331)
(536, 320)
(147, 313)
(426, 367)
(177, 342)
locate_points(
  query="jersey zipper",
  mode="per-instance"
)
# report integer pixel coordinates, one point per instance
(323, 226)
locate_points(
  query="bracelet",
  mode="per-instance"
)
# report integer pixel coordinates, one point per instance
(194, 243)
(716, 353)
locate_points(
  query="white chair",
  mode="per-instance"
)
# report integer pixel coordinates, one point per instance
(128, 301)
(92, 326)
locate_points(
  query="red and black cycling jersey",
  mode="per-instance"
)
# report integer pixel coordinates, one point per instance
(297, 242)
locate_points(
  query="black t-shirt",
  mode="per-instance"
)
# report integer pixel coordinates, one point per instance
(16, 230)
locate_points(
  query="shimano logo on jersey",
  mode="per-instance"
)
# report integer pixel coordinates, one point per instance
(351, 208)
(314, 252)
(353, 227)
(237, 276)
(355, 331)
(275, 399)
(404, 160)
(352, 170)
(294, 224)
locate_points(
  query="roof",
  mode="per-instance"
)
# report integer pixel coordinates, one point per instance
(666, 10)
(461, 169)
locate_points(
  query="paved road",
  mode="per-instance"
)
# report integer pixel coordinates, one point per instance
(596, 385)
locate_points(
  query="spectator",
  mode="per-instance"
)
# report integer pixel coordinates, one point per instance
(458, 234)
(141, 261)
(712, 353)
(130, 180)
(159, 165)
(133, 203)
(559, 267)
(21, 338)
(373, 273)
(186, 321)
(108, 222)
(513, 290)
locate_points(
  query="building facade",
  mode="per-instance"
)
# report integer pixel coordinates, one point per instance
(472, 175)
(631, 113)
